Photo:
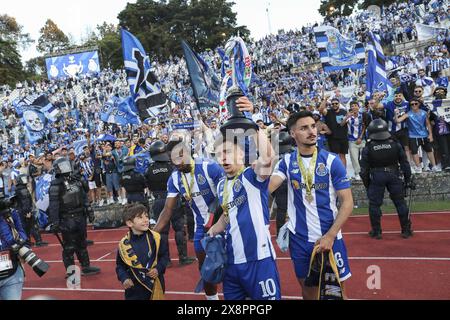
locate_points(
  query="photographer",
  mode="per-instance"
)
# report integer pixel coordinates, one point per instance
(11, 271)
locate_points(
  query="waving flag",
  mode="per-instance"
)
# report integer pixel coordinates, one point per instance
(426, 32)
(79, 145)
(377, 80)
(441, 108)
(119, 111)
(338, 52)
(204, 82)
(143, 161)
(42, 187)
(144, 87)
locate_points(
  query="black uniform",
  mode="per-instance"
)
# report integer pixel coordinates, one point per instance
(68, 209)
(134, 184)
(157, 176)
(379, 170)
(24, 206)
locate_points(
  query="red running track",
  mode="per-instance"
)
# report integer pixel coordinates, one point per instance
(416, 268)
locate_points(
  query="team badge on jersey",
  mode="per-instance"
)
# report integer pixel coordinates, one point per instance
(295, 184)
(201, 179)
(237, 186)
(321, 170)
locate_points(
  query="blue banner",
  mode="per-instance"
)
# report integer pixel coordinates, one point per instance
(72, 65)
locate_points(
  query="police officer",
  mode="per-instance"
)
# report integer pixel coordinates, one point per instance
(157, 176)
(24, 205)
(280, 195)
(133, 182)
(379, 170)
(68, 208)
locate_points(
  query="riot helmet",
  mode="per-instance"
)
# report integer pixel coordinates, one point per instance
(378, 130)
(285, 142)
(62, 166)
(22, 180)
(158, 151)
(129, 164)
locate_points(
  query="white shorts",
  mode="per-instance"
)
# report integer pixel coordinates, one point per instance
(92, 185)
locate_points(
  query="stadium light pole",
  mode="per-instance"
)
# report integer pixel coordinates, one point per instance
(268, 18)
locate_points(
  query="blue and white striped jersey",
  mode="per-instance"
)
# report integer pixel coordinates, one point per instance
(247, 235)
(390, 115)
(355, 127)
(313, 220)
(207, 175)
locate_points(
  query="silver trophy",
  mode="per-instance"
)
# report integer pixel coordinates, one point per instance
(237, 119)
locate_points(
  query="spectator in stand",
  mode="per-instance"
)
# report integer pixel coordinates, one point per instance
(420, 134)
(334, 119)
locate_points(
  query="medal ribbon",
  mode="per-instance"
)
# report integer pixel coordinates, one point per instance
(189, 187)
(226, 193)
(307, 175)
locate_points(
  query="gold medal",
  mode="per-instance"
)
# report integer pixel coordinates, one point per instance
(190, 186)
(308, 175)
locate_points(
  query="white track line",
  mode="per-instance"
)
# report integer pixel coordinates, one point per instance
(121, 291)
(397, 232)
(99, 259)
(288, 258)
(353, 216)
(273, 236)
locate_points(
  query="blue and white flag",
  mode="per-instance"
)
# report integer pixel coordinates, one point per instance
(204, 82)
(338, 52)
(49, 110)
(119, 111)
(426, 32)
(376, 78)
(441, 108)
(144, 87)
(143, 161)
(42, 188)
(79, 146)
(35, 123)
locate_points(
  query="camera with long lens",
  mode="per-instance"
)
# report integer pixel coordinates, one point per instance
(40, 267)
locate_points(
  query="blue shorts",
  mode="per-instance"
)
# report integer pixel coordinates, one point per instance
(257, 280)
(112, 181)
(301, 251)
(198, 236)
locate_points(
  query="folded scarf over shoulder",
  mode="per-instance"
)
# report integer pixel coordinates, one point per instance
(130, 258)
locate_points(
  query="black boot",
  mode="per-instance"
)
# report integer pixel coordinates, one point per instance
(182, 254)
(376, 227)
(405, 224)
(376, 234)
(86, 268)
(41, 244)
(406, 230)
(89, 271)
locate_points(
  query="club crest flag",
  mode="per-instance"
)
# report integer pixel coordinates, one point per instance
(336, 51)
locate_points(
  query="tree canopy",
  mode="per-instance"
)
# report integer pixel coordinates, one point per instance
(51, 38)
(161, 25)
(11, 39)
